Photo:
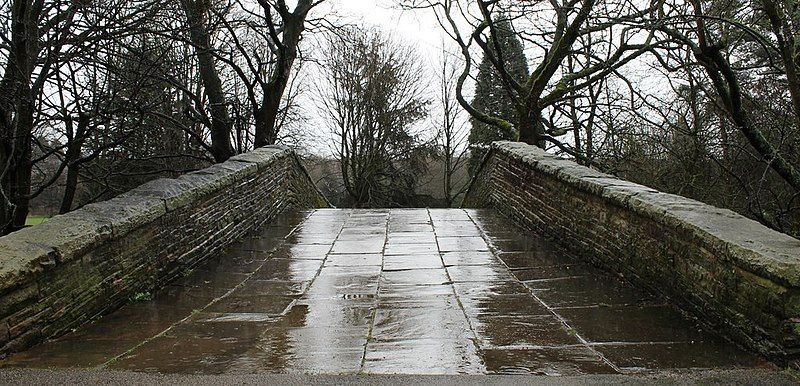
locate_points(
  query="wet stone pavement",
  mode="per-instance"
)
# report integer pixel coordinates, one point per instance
(410, 291)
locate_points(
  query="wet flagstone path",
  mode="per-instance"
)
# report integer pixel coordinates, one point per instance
(411, 291)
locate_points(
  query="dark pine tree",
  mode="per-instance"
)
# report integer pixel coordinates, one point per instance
(491, 95)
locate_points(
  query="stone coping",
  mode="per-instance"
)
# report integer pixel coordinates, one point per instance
(749, 244)
(67, 237)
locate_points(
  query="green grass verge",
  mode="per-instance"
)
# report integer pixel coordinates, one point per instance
(35, 220)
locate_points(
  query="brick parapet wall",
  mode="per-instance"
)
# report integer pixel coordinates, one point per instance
(76, 266)
(730, 271)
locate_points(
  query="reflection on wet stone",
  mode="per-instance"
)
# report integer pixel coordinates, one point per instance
(415, 291)
(573, 360)
(587, 291)
(423, 356)
(528, 330)
(406, 262)
(502, 305)
(353, 260)
(468, 258)
(399, 324)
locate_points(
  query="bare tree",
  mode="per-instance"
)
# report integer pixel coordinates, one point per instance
(31, 49)
(710, 52)
(451, 133)
(38, 38)
(615, 25)
(373, 98)
(265, 74)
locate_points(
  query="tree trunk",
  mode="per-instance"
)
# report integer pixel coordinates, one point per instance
(70, 187)
(531, 130)
(448, 176)
(267, 113)
(17, 108)
(20, 183)
(266, 116)
(221, 124)
(72, 159)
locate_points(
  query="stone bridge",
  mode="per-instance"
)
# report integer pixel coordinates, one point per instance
(550, 269)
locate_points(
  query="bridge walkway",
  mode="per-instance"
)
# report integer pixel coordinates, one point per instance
(337, 291)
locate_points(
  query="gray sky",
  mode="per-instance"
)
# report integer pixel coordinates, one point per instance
(418, 29)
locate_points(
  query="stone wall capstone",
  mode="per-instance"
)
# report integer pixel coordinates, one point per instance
(735, 274)
(74, 267)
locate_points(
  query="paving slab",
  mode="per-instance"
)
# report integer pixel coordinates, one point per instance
(395, 291)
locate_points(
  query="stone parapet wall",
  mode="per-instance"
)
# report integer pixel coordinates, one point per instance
(74, 267)
(730, 271)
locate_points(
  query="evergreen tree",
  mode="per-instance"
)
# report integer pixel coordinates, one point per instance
(491, 96)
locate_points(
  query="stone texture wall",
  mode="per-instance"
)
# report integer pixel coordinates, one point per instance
(732, 272)
(59, 274)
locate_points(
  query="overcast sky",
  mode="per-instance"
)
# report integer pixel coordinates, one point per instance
(418, 29)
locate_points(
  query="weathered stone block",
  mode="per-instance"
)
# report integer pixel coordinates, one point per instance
(70, 235)
(22, 260)
(263, 157)
(128, 212)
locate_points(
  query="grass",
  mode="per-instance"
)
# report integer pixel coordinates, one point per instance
(35, 220)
